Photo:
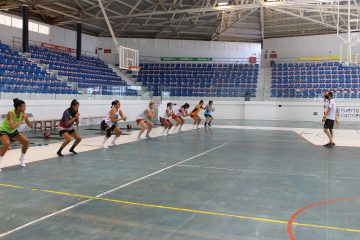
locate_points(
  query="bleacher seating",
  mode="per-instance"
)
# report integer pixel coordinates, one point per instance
(310, 80)
(87, 72)
(200, 80)
(19, 75)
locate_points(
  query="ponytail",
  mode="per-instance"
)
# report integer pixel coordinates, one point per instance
(114, 103)
(185, 106)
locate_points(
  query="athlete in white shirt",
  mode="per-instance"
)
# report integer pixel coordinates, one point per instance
(329, 118)
(110, 122)
(143, 120)
(165, 119)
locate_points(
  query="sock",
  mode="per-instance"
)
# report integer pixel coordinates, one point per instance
(104, 141)
(205, 124)
(114, 140)
(0, 162)
(72, 150)
(180, 128)
(164, 131)
(175, 128)
(22, 159)
(168, 130)
(209, 123)
(59, 152)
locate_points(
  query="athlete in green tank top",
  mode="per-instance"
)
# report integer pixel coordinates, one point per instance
(5, 125)
(8, 130)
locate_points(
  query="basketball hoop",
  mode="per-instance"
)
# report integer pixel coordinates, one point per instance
(135, 68)
(128, 57)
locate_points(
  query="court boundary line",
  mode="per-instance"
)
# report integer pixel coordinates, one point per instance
(291, 221)
(107, 192)
(288, 223)
(263, 172)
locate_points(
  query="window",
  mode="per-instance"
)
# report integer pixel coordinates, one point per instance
(16, 23)
(5, 20)
(34, 27)
(44, 29)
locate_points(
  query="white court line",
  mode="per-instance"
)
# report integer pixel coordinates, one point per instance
(40, 153)
(343, 137)
(107, 192)
(267, 172)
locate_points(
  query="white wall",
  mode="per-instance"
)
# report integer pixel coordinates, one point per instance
(306, 46)
(256, 110)
(67, 38)
(180, 48)
(58, 36)
(289, 111)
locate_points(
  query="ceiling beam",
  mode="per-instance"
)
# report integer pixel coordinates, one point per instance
(190, 10)
(240, 17)
(308, 18)
(262, 22)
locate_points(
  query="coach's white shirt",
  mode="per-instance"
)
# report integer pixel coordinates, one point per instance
(330, 104)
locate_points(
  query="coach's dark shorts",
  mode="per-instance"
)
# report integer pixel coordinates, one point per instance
(329, 124)
(66, 131)
(104, 126)
(11, 136)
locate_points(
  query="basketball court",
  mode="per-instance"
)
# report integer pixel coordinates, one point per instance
(226, 182)
(261, 171)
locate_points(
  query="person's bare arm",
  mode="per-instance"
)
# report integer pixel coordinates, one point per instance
(122, 115)
(11, 120)
(28, 121)
(168, 112)
(112, 116)
(150, 113)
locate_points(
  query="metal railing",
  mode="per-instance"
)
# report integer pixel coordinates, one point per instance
(155, 59)
(95, 92)
(17, 45)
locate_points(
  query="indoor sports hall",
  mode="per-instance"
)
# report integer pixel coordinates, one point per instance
(179, 119)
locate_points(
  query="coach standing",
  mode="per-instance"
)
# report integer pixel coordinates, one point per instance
(329, 118)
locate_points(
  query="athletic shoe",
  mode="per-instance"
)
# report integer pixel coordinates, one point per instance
(73, 151)
(22, 163)
(329, 145)
(0, 170)
(104, 146)
(60, 154)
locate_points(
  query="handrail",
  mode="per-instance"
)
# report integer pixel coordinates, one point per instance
(38, 44)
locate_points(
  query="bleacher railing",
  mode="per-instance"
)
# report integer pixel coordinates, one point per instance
(95, 92)
(17, 45)
(214, 60)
